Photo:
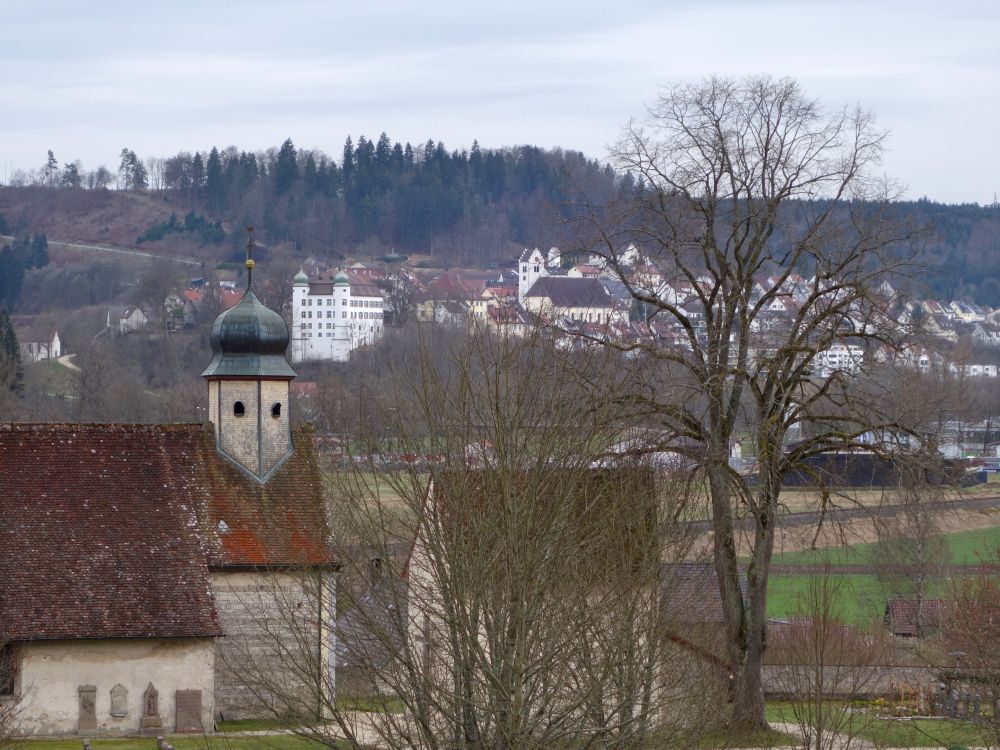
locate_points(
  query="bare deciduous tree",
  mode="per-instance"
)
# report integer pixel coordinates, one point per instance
(529, 605)
(10, 699)
(768, 222)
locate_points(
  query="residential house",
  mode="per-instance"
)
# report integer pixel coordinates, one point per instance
(37, 341)
(621, 504)
(126, 319)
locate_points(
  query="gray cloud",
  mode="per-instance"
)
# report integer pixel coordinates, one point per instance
(87, 79)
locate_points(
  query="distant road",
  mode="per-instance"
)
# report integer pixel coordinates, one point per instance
(118, 250)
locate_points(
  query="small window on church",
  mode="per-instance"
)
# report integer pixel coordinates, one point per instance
(238, 409)
(276, 410)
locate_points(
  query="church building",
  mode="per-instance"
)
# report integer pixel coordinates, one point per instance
(144, 567)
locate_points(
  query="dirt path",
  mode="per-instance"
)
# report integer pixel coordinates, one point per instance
(844, 526)
(91, 247)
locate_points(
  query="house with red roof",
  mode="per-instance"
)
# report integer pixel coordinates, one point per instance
(148, 569)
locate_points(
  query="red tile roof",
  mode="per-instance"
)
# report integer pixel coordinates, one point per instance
(110, 530)
(910, 617)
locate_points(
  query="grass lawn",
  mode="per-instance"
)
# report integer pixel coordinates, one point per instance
(724, 739)
(862, 597)
(200, 742)
(923, 733)
(898, 732)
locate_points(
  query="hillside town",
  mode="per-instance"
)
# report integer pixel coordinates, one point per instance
(659, 410)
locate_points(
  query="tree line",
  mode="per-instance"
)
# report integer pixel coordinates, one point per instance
(471, 206)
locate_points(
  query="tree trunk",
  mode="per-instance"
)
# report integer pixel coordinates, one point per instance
(748, 689)
(744, 614)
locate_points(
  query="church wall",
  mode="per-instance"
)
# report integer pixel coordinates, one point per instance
(277, 654)
(275, 431)
(238, 437)
(53, 671)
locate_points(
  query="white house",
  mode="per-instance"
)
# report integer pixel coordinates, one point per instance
(839, 357)
(333, 317)
(124, 320)
(37, 345)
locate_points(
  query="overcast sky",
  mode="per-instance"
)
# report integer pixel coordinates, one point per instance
(86, 79)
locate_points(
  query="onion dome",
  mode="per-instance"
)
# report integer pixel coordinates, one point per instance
(249, 340)
(301, 279)
(341, 279)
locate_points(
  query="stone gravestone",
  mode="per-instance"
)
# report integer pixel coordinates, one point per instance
(119, 701)
(88, 708)
(151, 722)
(188, 712)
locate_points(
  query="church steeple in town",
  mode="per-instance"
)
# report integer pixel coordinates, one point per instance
(248, 383)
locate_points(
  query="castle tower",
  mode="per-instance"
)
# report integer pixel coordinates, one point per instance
(248, 383)
(343, 335)
(300, 341)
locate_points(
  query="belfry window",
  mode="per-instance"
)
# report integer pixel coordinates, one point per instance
(276, 410)
(239, 410)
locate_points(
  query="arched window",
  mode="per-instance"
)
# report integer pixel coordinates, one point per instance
(238, 409)
(276, 409)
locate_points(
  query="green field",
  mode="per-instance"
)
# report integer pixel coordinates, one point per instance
(965, 546)
(861, 596)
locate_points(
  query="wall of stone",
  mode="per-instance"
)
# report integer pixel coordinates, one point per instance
(866, 681)
(275, 431)
(277, 650)
(52, 673)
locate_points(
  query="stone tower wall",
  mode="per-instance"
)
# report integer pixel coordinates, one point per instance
(238, 435)
(275, 433)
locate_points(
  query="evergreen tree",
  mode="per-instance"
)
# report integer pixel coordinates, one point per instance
(51, 170)
(347, 164)
(286, 170)
(71, 177)
(310, 176)
(39, 251)
(11, 370)
(197, 173)
(11, 277)
(214, 187)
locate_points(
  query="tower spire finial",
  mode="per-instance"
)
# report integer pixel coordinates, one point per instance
(249, 263)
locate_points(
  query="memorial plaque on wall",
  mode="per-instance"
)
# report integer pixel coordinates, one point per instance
(119, 701)
(88, 708)
(188, 711)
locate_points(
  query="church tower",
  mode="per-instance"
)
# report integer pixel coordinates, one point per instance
(248, 384)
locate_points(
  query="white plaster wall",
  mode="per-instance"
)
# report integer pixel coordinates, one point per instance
(53, 671)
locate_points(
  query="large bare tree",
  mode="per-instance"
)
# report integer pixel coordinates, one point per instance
(757, 238)
(498, 589)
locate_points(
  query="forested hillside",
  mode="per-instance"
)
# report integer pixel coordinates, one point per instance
(470, 207)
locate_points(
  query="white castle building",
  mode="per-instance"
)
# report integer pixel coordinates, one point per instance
(331, 317)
